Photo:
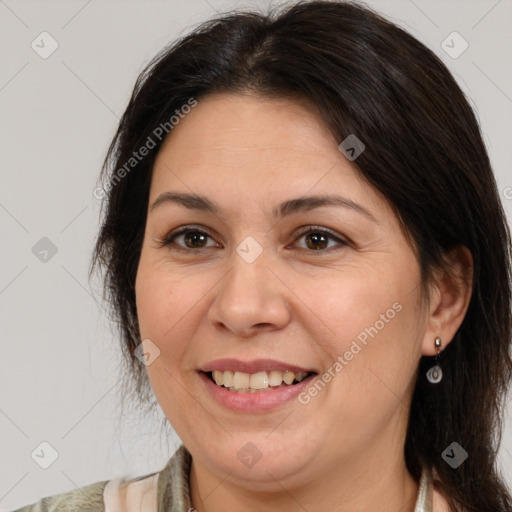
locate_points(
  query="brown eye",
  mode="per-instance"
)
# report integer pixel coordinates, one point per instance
(192, 239)
(318, 239)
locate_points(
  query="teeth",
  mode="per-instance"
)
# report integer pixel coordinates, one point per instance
(275, 378)
(288, 377)
(218, 377)
(241, 381)
(227, 378)
(258, 380)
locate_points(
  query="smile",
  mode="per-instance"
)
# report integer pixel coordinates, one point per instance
(248, 400)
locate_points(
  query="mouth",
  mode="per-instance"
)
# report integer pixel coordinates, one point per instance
(254, 386)
(262, 391)
(259, 382)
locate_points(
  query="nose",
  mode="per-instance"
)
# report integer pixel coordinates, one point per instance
(250, 298)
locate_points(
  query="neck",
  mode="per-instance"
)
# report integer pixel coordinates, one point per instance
(347, 486)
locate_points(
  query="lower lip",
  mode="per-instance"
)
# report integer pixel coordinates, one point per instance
(254, 402)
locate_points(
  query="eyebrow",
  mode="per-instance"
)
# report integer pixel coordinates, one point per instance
(286, 208)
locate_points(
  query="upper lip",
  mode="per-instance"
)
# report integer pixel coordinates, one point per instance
(254, 366)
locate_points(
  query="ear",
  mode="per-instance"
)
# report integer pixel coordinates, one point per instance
(450, 294)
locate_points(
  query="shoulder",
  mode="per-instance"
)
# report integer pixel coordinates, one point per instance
(166, 489)
(141, 494)
(87, 499)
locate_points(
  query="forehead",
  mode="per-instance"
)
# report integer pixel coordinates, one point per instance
(238, 125)
(253, 148)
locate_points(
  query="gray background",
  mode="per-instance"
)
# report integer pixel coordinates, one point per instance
(60, 359)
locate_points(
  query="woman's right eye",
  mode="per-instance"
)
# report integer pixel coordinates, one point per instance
(192, 238)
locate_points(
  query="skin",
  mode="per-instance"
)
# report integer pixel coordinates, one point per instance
(343, 451)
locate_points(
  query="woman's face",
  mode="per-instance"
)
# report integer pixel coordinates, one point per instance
(251, 286)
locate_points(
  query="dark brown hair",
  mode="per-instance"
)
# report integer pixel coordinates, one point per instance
(424, 153)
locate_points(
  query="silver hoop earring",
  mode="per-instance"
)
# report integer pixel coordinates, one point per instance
(435, 374)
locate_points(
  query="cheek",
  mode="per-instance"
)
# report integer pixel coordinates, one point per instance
(351, 305)
(161, 299)
(157, 310)
(161, 303)
(169, 309)
(375, 328)
(373, 354)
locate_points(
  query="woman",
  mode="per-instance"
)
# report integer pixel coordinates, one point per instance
(304, 247)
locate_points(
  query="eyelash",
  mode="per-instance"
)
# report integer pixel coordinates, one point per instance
(168, 240)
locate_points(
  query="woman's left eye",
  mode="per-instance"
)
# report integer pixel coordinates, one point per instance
(320, 236)
(317, 239)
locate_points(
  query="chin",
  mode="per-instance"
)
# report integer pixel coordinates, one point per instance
(263, 457)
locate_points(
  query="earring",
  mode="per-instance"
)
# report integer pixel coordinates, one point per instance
(435, 374)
